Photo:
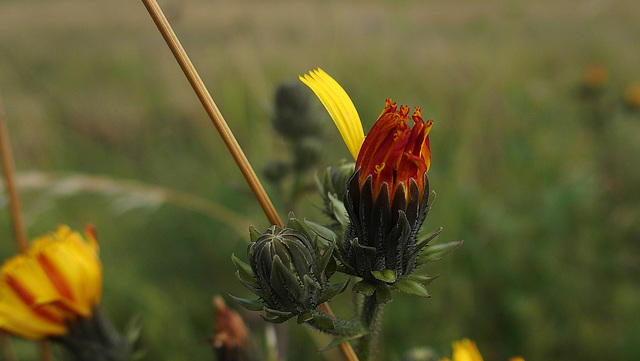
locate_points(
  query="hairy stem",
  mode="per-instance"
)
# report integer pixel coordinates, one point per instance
(369, 316)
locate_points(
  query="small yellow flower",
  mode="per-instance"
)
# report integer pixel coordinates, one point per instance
(57, 279)
(466, 350)
(595, 76)
(632, 95)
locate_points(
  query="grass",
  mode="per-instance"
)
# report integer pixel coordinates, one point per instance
(547, 203)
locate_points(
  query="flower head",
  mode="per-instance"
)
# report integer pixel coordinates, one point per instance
(385, 196)
(56, 280)
(393, 153)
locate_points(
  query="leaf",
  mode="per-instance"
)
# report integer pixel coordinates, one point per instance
(242, 267)
(251, 305)
(254, 234)
(437, 252)
(422, 279)
(412, 287)
(339, 210)
(332, 291)
(424, 240)
(386, 276)
(304, 317)
(367, 288)
(322, 231)
(326, 257)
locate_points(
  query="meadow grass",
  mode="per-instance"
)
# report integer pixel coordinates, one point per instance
(546, 202)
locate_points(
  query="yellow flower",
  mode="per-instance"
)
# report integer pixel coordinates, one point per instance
(392, 152)
(57, 279)
(466, 350)
(632, 95)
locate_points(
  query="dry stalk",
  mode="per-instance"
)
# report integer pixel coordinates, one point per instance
(225, 132)
(17, 220)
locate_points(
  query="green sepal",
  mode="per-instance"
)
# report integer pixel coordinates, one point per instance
(304, 317)
(322, 231)
(251, 305)
(283, 281)
(424, 240)
(332, 291)
(242, 267)
(386, 276)
(383, 295)
(323, 323)
(254, 234)
(411, 287)
(338, 340)
(326, 257)
(437, 252)
(367, 288)
(422, 279)
(371, 251)
(339, 211)
(297, 225)
(250, 283)
(275, 316)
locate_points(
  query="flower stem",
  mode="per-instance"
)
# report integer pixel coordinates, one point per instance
(369, 317)
(225, 132)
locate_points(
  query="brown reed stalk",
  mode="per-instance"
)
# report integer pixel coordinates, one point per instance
(225, 132)
(19, 230)
(17, 220)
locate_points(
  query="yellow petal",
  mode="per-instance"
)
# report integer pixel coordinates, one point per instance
(339, 106)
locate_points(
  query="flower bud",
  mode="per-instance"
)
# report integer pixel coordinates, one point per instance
(287, 273)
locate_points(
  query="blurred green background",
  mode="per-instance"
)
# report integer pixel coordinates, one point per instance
(535, 157)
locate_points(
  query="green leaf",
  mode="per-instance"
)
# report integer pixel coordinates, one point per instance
(332, 291)
(254, 234)
(367, 288)
(412, 287)
(324, 323)
(422, 279)
(322, 231)
(249, 283)
(437, 252)
(242, 267)
(304, 317)
(251, 305)
(424, 240)
(326, 257)
(339, 211)
(386, 276)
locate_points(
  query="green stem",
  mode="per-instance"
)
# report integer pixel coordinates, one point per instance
(335, 327)
(369, 316)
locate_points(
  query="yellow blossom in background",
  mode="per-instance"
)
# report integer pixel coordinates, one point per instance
(466, 350)
(595, 76)
(57, 279)
(632, 95)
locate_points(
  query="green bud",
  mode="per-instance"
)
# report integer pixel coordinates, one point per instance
(294, 116)
(287, 271)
